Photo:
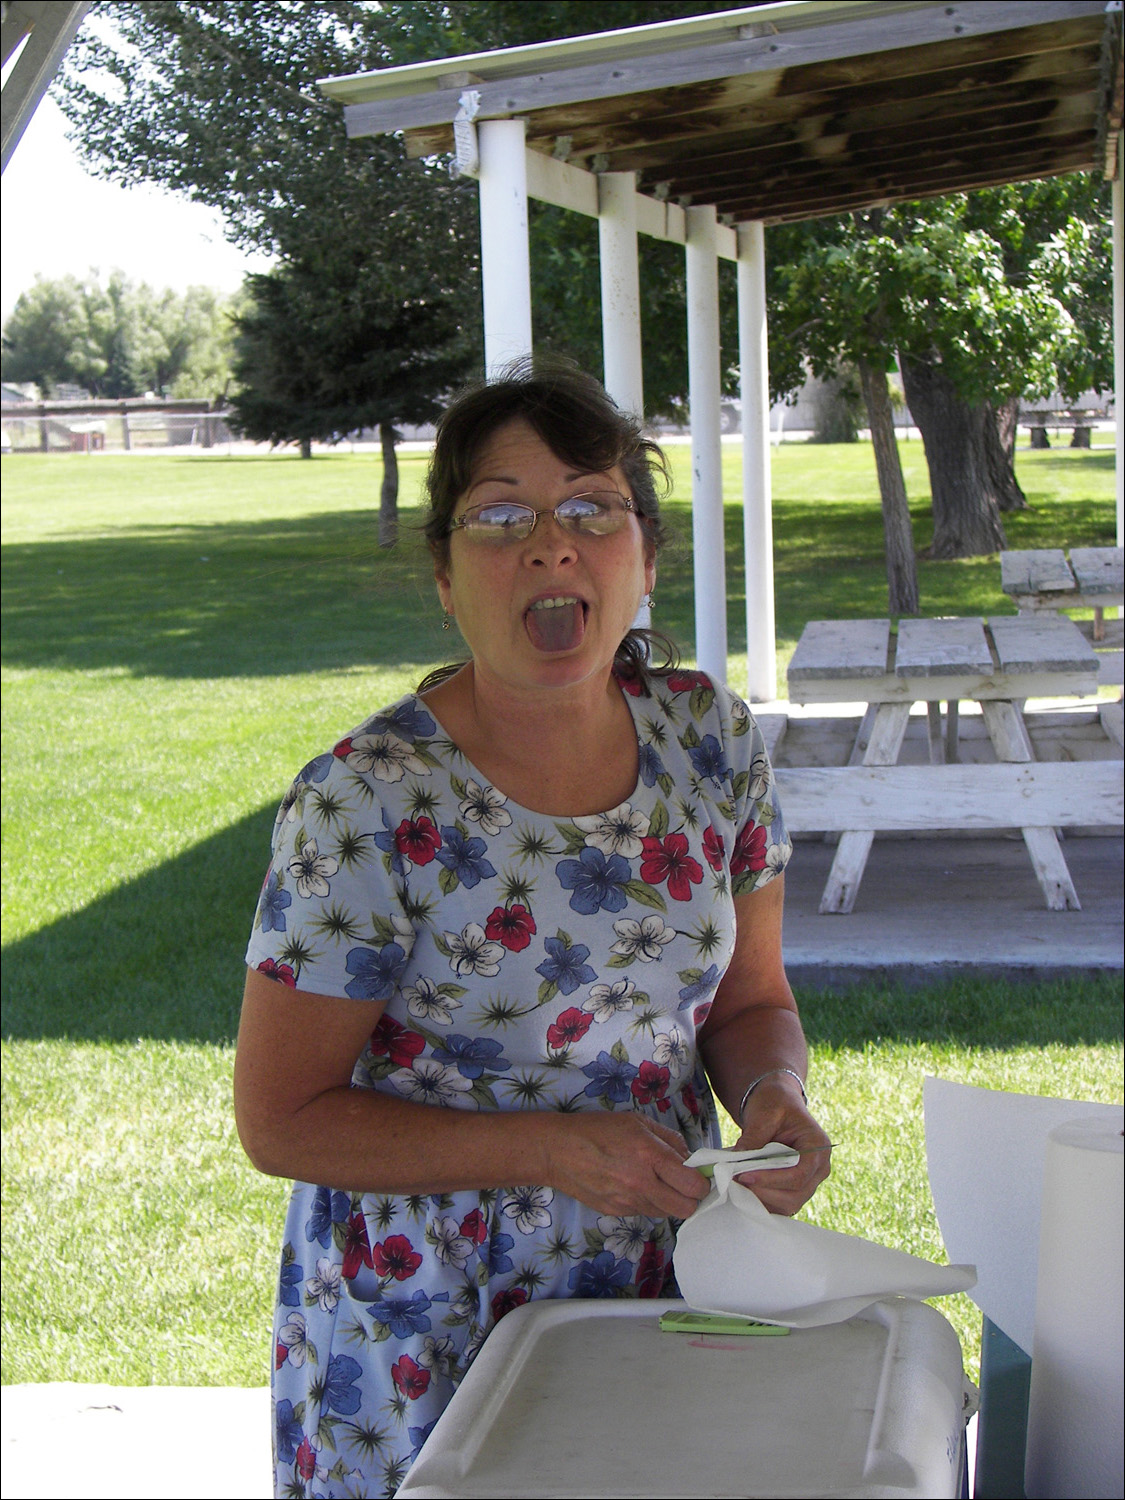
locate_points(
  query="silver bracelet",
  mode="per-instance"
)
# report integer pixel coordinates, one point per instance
(769, 1073)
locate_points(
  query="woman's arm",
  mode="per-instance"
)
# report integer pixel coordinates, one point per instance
(753, 1031)
(299, 1116)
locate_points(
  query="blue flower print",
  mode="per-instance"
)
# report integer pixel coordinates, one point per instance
(566, 967)
(594, 881)
(376, 973)
(604, 1276)
(408, 720)
(291, 1278)
(472, 1054)
(340, 1392)
(403, 1315)
(328, 1208)
(316, 770)
(499, 1260)
(386, 842)
(610, 1078)
(702, 986)
(464, 857)
(289, 1434)
(651, 767)
(274, 901)
(418, 1436)
(708, 759)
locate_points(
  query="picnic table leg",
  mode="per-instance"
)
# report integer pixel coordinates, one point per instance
(1008, 733)
(953, 731)
(842, 886)
(933, 734)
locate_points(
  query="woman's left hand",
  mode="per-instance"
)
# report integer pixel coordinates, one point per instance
(776, 1111)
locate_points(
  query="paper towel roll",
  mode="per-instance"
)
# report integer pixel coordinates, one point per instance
(1074, 1412)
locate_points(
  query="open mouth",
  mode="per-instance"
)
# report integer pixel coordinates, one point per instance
(556, 623)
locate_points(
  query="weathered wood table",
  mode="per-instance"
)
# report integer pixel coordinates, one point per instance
(1094, 578)
(999, 663)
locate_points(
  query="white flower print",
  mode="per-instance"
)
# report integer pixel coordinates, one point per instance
(644, 939)
(324, 1287)
(484, 805)
(384, 756)
(619, 831)
(626, 1239)
(426, 1003)
(605, 1000)
(430, 1082)
(310, 869)
(438, 1355)
(464, 1305)
(759, 783)
(776, 855)
(472, 953)
(527, 1208)
(450, 1245)
(670, 1049)
(294, 1335)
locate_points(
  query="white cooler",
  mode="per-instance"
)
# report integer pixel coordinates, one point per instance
(591, 1398)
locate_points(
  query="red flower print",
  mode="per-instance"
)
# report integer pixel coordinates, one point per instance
(510, 925)
(691, 1103)
(667, 859)
(390, 1039)
(749, 850)
(650, 1271)
(342, 750)
(571, 1026)
(474, 1228)
(280, 1355)
(410, 1378)
(283, 973)
(630, 685)
(306, 1459)
(650, 1084)
(700, 1014)
(418, 839)
(713, 848)
(357, 1250)
(686, 682)
(396, 1256)
(504, 1302)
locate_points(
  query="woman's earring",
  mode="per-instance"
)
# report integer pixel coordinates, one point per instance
(650, 601)
(446, 618)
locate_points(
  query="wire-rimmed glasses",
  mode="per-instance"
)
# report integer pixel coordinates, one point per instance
(595, 513)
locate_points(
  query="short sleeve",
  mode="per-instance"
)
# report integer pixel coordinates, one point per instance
(762, 846)
(330, 917)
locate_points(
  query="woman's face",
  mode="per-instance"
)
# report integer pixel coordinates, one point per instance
(549, 610)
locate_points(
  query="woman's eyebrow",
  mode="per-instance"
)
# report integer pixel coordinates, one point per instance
(509, 479)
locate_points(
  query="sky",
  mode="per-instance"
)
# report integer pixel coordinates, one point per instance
(58, 220)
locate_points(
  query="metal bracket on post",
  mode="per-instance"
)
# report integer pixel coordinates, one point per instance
(466, 162)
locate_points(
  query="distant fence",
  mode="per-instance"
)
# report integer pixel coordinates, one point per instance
(95, 426)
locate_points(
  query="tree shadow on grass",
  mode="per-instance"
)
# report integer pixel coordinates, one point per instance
(159, 958)
(232, 599)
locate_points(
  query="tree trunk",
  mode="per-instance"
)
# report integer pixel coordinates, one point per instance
(306, 447)
(902, 572)
(965, 503)
(1002, 455)
(388, 494)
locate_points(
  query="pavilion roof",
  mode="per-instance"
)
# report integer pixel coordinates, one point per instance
(792, 110)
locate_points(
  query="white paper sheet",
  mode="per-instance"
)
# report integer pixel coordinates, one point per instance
(985, 1151)
(734, 1256)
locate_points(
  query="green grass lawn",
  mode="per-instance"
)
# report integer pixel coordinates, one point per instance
(180, 634)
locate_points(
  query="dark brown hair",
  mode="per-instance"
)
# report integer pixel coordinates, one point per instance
(580, 423)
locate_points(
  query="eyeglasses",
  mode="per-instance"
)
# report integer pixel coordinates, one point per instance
(600, 513)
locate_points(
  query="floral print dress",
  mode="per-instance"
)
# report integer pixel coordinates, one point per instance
(526, 963)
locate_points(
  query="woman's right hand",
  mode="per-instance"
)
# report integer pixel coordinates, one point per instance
(621, 1164)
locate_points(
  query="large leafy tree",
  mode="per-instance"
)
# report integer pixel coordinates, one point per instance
(120, 339)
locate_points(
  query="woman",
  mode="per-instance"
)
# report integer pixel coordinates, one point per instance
(543, 895)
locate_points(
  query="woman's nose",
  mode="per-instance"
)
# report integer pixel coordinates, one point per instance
(550, 542)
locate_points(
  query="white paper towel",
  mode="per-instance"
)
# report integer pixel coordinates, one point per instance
(985, 1151)
(734, 1256)
(1074, 1413)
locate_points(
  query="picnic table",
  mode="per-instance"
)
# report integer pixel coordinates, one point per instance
(1044, 580)
(1000, 663)
(1080, 419)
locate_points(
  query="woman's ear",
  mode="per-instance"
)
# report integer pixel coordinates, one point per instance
(650, 575)
(444, 588)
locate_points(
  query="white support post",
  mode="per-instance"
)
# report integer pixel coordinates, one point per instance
(1119, 331)
(704, 383)
(621, 289)
(504, 252)
(757, 511)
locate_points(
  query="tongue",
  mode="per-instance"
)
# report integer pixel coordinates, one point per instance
(557, 629)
